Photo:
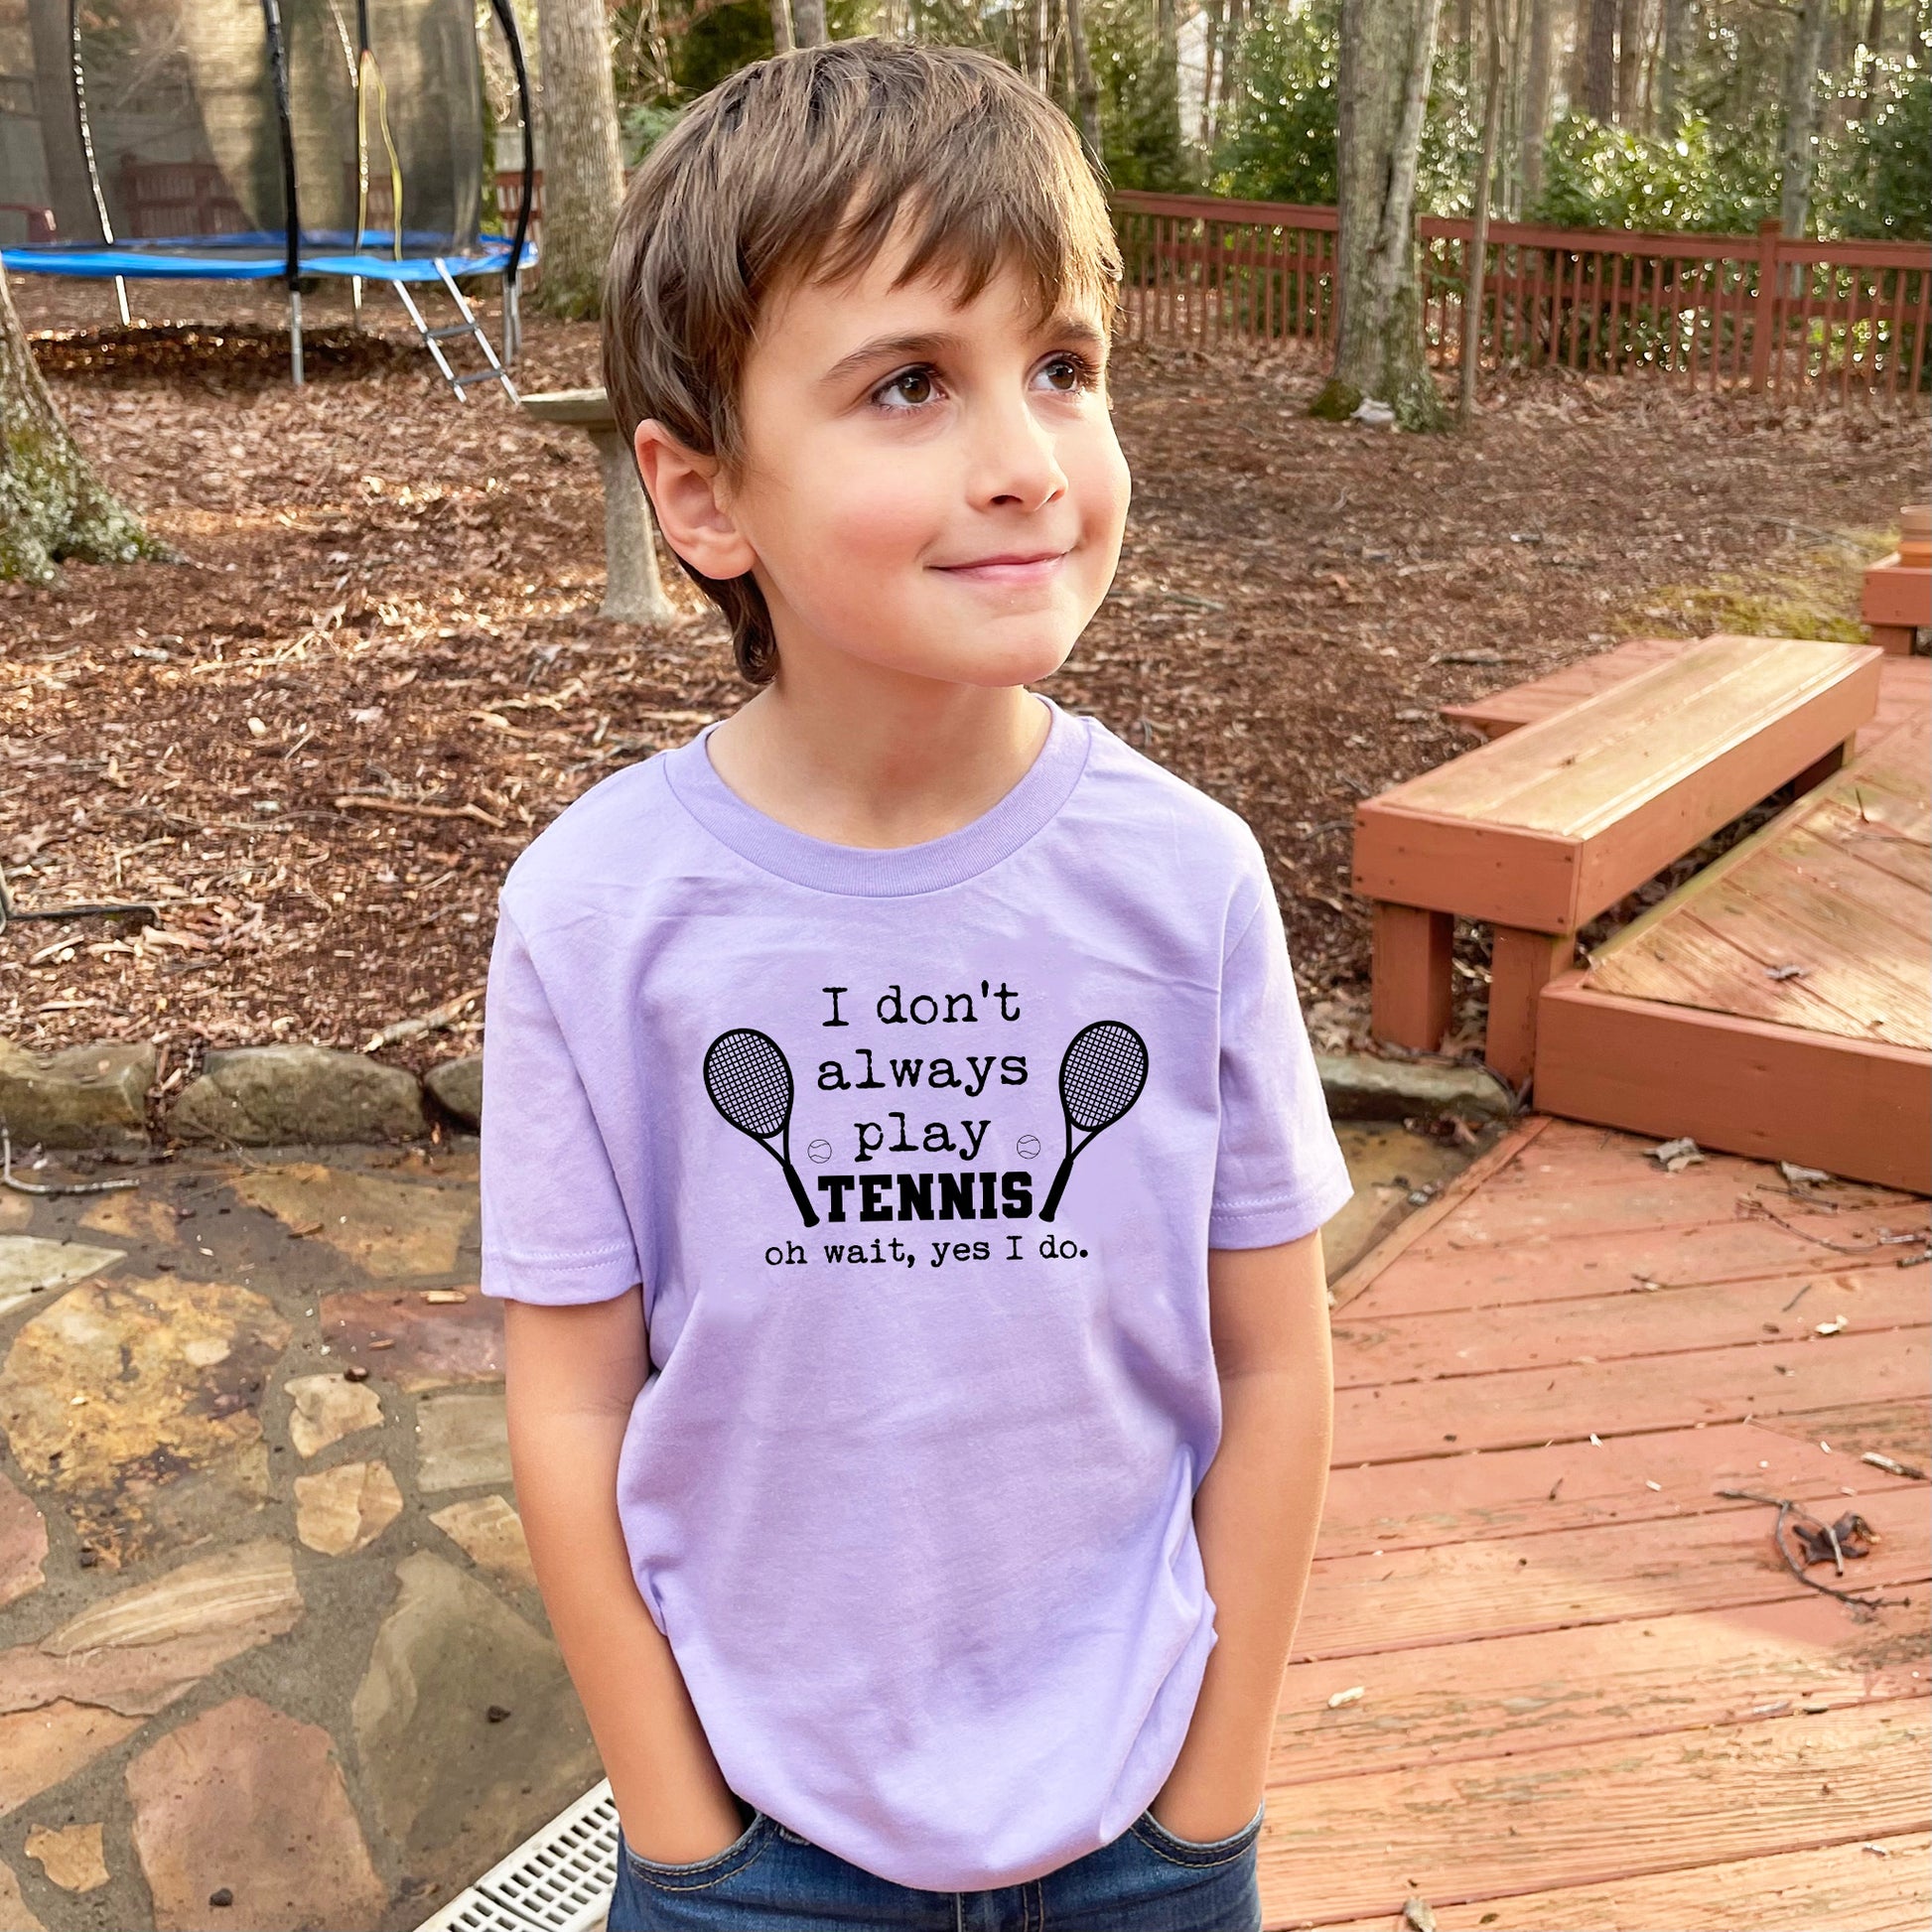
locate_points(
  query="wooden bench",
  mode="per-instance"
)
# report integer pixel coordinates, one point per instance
(1898, 600)
(633, 592)
(1541, 830)
(1503, 711)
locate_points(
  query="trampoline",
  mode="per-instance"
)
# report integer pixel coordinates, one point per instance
(262, 141)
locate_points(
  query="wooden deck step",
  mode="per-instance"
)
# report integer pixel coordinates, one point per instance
(1447, 1592)
(1358, 1846)
(1868, 1885)
(1691, 1021)
(1456, 1497)
(1594, 1683)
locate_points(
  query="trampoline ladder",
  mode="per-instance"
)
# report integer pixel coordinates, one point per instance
(434, 339)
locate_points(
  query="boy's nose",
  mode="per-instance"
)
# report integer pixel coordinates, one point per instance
(1015, 461)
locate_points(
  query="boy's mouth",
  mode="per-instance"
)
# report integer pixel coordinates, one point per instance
(1008, 567)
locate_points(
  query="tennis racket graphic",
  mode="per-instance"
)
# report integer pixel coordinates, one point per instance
(1101, 1077)
(749, 1080)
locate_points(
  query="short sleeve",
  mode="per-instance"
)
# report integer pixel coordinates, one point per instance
(1279, 1172)
(554, 1227)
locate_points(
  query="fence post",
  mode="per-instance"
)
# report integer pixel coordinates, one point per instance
(1764, 311)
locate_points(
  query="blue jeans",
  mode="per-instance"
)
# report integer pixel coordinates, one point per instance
(773, 1880)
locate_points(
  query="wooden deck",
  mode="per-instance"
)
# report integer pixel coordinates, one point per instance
(1678, 1027)
(1591, 1698)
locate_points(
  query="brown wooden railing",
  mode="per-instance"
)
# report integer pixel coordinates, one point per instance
(1746, 312)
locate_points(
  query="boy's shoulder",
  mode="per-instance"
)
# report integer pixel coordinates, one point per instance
(613, 835)
(1126, 793)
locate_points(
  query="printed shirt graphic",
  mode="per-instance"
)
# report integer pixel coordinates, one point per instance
(918, 1155)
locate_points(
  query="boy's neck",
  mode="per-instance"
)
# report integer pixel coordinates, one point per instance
(876, 760)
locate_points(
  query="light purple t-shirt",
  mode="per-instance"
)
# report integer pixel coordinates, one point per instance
(910, 1489)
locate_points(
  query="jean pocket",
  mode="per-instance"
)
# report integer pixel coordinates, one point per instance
(701, 1871)
(1186, 1850)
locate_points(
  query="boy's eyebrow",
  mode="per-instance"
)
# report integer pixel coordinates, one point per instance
(1067, 327)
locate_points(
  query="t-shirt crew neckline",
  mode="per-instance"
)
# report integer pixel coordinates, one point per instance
(892, 870)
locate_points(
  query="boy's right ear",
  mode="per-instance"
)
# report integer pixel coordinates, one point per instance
(686, 491)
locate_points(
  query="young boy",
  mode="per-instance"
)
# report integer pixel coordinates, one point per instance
(904, 1162)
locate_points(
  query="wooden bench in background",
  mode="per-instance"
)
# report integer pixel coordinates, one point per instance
(1541, 830)
(1897, 599)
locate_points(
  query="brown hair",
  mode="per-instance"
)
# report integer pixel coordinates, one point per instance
(801, 166)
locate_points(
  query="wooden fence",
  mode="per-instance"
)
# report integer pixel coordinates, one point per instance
(1746, 312)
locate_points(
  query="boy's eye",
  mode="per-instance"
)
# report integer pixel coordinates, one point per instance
(907, 390)
(1069, 373)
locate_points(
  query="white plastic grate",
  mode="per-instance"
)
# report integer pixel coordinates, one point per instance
(557, 1880)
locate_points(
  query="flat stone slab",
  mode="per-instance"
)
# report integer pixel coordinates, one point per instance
(458, 1086)
(390, 1229)
(463, 1442)
(451, 1788)
(344, 1509)
(139, 1403)
(276, 1096)
(488, 1531)
(416, 1344)
(1359, 1086)
(45, 1747)
(327, 1408)
(71, 1856)
(135, 1652)
(13, 1907)
(23, 1543)
(247, 1800)
(31, 1264)
(83, 1096)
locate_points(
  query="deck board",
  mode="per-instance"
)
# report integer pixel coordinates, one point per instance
(1523, 1754)
(1350, 1847)
(1578, 1484)
(1874, 1886)
(1385, 1349)
(1591, 1683)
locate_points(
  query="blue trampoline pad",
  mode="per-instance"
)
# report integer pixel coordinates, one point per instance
(250, 258)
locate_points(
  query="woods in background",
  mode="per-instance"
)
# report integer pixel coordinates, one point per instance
(1706, 114)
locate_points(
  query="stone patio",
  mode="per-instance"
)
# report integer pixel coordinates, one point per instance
(271, 1651)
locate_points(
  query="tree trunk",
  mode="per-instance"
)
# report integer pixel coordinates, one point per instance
(1168, 39)
(1629, 59)
(1211, 48)
(1086, 89)
(1874, 34)
(1387, 47)
(781, 40)
(1535, 97)
(1473, 275)
(52, 505)
(809, 23)
(1795, 157)
(1677, 20)
(1233, 28)
(583, 169)
(1600, 60)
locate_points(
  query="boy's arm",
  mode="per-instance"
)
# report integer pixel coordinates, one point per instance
(1256, 1514)
(572, 1373)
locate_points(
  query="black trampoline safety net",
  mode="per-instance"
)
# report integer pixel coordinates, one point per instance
(158, 126)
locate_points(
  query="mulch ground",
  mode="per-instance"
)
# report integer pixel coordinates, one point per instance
(317, 740)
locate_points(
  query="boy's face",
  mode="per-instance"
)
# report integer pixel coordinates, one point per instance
(930, 486)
